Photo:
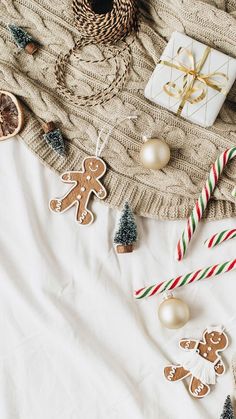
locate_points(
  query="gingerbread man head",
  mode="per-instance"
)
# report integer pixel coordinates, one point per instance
(216, 338)
(94, 166)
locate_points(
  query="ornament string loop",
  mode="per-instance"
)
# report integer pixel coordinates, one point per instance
(100, 146)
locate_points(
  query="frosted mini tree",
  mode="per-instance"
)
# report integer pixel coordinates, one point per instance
(23, 39)
(54, 138)
(126, 234)
(228, 411)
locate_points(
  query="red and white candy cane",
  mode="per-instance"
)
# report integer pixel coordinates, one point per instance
(202, 201)
(221, 237)
(173, 283)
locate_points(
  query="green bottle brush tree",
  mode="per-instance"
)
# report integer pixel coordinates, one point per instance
(23, 39)
(126, 235)
(54, 138)
(228, 411)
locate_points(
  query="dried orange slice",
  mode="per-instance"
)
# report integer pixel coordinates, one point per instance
(11, 115)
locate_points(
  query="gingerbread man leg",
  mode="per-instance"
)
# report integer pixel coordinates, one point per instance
(175, 373)
(83, 215)
(198, 389)
(62, 204)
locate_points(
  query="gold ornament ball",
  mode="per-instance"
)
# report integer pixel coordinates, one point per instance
(155, 154)
(173, 313)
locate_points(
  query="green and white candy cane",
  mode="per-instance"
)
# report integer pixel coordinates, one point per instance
(201, 204)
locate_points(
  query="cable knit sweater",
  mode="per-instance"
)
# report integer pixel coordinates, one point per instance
(166, 194)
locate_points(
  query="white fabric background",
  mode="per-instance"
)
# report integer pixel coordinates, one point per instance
(74, 343)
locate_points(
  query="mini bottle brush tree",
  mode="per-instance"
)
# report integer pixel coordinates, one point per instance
(54, 138)
(23, 39)
(228, 411)
(126, 234)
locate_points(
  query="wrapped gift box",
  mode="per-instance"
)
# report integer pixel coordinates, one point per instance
(191, 80)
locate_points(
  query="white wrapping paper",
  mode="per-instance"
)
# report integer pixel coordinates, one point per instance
(209, 92)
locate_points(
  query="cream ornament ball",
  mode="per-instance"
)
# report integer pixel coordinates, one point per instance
(154, 154)
(173, 313)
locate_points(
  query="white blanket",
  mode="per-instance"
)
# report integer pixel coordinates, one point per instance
(74, 342)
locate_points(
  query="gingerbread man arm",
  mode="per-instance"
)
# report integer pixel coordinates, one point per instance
(71, 177)
(219, 367)
(188, 344)
(99, 189)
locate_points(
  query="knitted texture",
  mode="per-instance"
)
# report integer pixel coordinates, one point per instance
(167, 194)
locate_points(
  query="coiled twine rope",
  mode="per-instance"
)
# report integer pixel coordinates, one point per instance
(106, 29)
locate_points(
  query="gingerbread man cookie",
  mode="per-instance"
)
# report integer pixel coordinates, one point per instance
(202, 363)
(84, 183)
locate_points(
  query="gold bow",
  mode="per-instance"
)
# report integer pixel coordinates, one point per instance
(194, 86)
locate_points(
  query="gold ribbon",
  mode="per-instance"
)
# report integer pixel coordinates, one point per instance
(194, 86)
